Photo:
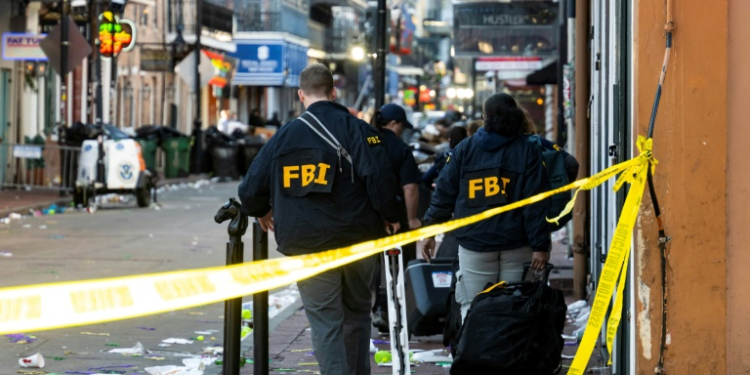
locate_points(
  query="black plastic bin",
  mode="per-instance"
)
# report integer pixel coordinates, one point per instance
(427, 287)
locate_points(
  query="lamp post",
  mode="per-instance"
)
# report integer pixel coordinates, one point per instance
(128, 93)
(196, 152)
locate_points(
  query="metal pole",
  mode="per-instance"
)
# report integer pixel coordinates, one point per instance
(561, 136)
(99, 108)
(380, 58)
(233, 308)
(197, 151)
(473, 87)
(260, 307)
(419, 78)
(580, 213)
(67, 182)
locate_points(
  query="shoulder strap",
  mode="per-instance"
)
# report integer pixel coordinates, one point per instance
(316, 126)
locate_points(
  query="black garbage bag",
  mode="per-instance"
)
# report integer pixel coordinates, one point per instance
(248, 149)
(224, 161)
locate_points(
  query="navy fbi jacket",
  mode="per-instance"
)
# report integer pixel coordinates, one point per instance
(317, 203)
(487, 171)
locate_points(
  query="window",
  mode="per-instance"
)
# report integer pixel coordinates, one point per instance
(144, 16)
(156, 15)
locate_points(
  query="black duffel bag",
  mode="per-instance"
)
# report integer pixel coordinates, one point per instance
(513, 329)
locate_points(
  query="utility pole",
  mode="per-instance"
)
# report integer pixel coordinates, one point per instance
(95, 55)
(63, 62)
(197, 150)
(380, 58)
(67, 180)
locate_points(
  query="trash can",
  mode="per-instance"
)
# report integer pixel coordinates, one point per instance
(148, 150)
(249, 147)
(178, 157)
(224, 160)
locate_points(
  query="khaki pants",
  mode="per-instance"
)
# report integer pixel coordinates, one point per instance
(480, 268)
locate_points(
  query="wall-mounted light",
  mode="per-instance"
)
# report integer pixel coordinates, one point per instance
(146, 92)
(128, 90)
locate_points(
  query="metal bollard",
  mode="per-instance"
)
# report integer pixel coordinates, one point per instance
(260, 307)
(233, 308)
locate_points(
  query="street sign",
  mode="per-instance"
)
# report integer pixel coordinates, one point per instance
(27, 152)
(78, 47)
(22, 46)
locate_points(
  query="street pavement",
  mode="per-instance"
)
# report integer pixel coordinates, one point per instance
(119, 240)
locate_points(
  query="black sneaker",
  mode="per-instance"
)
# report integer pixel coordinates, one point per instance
(380, 321)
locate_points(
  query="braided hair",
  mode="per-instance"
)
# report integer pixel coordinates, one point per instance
(502, 116)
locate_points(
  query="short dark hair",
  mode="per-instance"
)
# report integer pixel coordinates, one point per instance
(316, 80)
(502, 116)
(456, 135)
(474, 126)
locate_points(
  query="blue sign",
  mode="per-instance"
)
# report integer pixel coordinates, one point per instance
(259, 63)
(268, 63)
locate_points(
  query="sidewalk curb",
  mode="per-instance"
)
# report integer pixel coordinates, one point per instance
(23, 210)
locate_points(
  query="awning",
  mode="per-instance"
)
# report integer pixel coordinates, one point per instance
(405, 70)
(207, 41)
(545, 76)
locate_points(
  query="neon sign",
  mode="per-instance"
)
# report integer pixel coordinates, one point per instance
(115, 35)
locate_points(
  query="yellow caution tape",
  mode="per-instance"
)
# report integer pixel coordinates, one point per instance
(616, 257)
(59, 305)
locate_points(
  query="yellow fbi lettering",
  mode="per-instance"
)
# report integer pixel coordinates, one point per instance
(489, 185)
(306, 174)
(374, 140)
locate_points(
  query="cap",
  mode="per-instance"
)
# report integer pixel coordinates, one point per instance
(394, 112)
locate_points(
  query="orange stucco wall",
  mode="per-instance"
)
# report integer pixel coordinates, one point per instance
(690, 143)
(738, 184)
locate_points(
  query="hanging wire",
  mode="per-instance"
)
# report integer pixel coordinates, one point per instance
(663, 238)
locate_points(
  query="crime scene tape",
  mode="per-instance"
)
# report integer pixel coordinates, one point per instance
(616, 263)
(67, 304)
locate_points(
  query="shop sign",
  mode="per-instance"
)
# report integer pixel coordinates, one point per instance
(486, 64)
(156, 60)
(115, 35)
(23, 46)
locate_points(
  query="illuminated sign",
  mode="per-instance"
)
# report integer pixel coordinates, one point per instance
(115, 35)
(23, 47)
(224, 67)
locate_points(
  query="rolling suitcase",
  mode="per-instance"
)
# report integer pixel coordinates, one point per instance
(427, 287)
(513, 329)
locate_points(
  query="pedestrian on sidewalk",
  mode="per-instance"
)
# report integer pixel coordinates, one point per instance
(495, 167)
(323, 182)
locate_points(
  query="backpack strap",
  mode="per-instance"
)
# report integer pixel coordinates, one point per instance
(500, 285)
(318, 128)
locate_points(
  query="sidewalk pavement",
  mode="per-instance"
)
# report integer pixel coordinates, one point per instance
(21, 200)
(290, 351)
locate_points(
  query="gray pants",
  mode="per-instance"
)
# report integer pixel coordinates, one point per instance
(480, 268)
(337, 304)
